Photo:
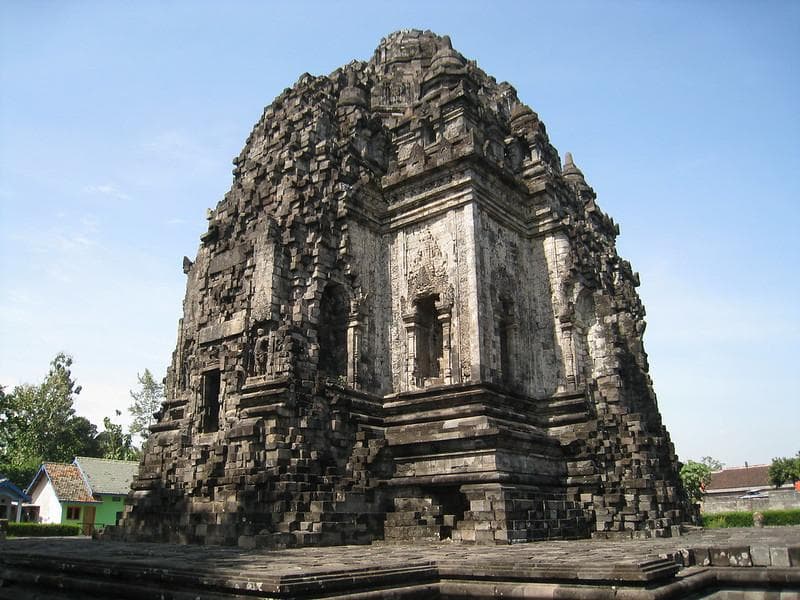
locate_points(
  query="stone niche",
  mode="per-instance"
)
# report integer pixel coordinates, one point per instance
(407, 320)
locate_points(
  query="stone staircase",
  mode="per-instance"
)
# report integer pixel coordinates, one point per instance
(418, 519)
(505, 514)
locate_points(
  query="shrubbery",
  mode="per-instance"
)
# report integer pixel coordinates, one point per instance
(745, 519)
(782, 517)
(41, 529)
(728, 519)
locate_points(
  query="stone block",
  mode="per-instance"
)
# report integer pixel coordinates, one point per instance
(485, 537)
(779, 557)
(760, 555)
(731, 556)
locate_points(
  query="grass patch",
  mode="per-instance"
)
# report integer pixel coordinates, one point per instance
(41, 529)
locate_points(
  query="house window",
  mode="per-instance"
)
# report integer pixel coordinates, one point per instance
(116, 499)
(73, 513)
(210, 417)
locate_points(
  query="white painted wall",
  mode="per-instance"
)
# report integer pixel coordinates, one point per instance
(44, 496)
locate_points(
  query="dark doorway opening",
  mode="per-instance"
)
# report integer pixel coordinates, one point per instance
(334, 309)
(505, 324)
(429, 340)
(453, 506)
(211, 405)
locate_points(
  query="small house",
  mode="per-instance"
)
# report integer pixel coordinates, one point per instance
(109, 481)
(747, 488)
(89, 492)
(11, 500)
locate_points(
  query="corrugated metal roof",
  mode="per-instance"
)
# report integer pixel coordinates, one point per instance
(11, 489)
(107, 476)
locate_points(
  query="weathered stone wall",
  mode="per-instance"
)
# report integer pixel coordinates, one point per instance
(424, 265)
(516, 317)
(406, 320)
(774, 499)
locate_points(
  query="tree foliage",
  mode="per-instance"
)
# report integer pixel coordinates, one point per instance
(38, 423)
(784, 470)
(114, 443)
(712, 463)
(696, 476)
(147, 400)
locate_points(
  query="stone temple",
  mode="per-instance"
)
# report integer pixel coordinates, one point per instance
(407, 320)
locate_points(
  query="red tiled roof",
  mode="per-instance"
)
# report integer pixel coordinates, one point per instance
(68, 483)
(740, 478)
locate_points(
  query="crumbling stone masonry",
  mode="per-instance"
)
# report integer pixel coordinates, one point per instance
(406, 320)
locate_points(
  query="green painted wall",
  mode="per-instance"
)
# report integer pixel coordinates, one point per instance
(107, 511)
(64, 518)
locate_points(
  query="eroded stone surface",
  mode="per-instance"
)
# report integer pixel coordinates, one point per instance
(407, 320)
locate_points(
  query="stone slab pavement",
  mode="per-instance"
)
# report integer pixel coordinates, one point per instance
(306, 572)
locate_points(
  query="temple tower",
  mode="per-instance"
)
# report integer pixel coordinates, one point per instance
(406, 320)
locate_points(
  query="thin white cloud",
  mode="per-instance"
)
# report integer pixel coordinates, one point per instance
(54, 241)
(106, 189)
(74, 234)
(73, 242)
(13, 313)
(100, 397)
(17, 307)
(60, 275)
(90, 223)
(65, 253)
(176, 147)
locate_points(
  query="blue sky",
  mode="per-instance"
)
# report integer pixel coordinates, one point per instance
(118, 123)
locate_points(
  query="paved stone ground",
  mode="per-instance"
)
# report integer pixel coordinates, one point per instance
(301, 571)
(309, 560)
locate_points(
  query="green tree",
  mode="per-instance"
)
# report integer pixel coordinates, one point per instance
(114, 443)
(39, 423)
(695, 477)
(147, 400)
(712, 463)
(784, 470)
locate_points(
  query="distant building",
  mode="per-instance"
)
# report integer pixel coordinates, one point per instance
(747, 489)
(11, 500)
(89, 492)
